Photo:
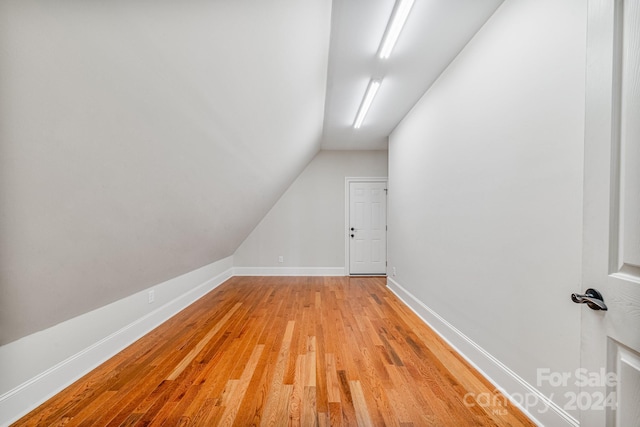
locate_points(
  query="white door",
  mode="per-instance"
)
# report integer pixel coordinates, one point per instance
(610, 348)
(367, 228)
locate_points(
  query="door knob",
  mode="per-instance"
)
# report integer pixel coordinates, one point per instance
(352, 235)
(592, 298)
(353, 229)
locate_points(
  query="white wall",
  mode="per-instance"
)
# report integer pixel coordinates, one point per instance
(35, 367)
(306, 226)
(139, 143)
(485, 184)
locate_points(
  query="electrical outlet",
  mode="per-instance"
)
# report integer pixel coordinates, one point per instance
(280, 258)
(393, 271)
(152, 296)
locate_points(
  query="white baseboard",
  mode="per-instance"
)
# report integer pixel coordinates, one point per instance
(35, 389)
(537, 406)
(289, 271)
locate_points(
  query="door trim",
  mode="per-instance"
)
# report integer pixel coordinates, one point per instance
(347, 181)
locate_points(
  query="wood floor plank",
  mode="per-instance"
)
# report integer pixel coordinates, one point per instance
(284, 351)
(234, 399)
(362, 411)
(252, 406)
(201, 344)
(333, 386)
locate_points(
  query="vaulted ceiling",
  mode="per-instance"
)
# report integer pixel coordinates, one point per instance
(142, 139)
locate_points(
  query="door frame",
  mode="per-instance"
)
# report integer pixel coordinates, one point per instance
(347, 205)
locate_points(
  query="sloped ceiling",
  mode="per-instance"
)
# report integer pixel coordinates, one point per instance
(144, 139)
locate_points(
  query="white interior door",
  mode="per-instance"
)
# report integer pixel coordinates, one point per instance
(610, 350)
(367, 228)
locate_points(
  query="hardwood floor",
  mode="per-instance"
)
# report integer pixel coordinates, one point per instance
(274, 351)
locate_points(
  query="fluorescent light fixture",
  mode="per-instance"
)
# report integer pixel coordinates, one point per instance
(372, 89)
(395, 27)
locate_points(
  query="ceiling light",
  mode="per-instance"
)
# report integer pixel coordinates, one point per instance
(372, 89)
(396, 23)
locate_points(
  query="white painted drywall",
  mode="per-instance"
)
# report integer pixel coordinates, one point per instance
(485, 189)
(142, 140)
(37, 366)
(306, 226)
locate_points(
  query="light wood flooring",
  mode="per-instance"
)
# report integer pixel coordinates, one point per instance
(276, 351)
